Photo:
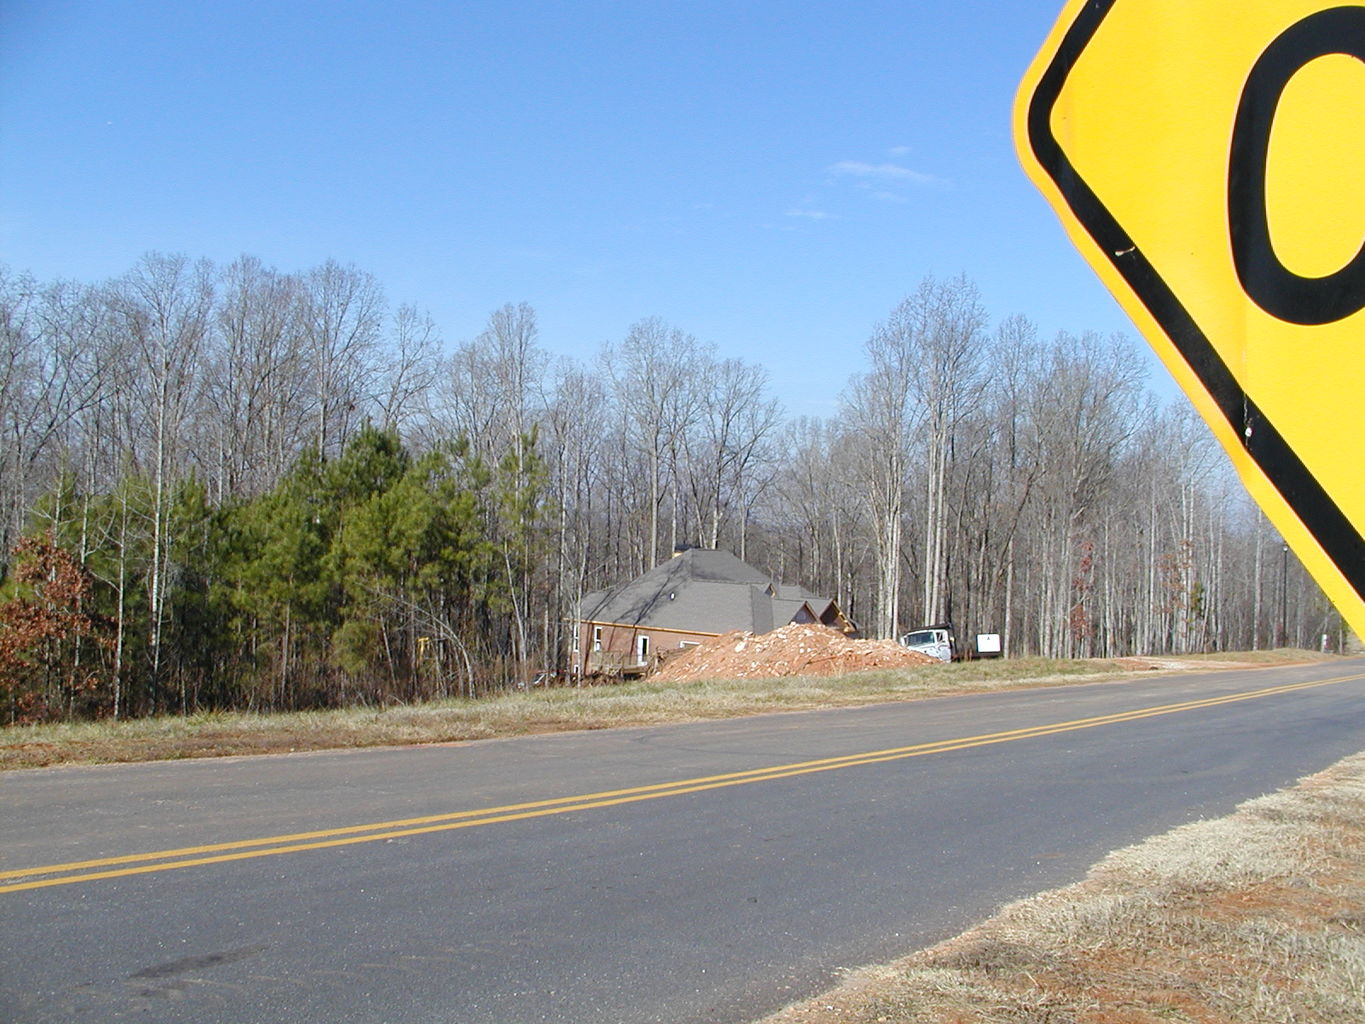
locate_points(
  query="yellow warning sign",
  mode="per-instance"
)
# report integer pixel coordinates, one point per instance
(1207, 157)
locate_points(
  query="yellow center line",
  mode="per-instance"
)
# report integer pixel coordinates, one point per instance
(219, 853)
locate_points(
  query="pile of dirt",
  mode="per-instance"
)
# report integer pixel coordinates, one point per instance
(795, 650)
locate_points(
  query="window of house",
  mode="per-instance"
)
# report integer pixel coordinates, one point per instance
(596, 638)
(642, 649)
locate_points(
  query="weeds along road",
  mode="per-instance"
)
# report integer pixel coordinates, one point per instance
(708, 872)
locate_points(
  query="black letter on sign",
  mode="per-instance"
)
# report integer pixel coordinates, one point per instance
(1273, 287)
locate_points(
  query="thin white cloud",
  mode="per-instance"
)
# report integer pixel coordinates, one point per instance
(889, 182)
(881, 172)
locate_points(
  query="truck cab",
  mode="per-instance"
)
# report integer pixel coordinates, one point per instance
(935, 641)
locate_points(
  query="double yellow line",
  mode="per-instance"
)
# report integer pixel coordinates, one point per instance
(298, 842)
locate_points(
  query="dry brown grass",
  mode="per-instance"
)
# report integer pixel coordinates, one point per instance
(541, 711)
(1258, 918)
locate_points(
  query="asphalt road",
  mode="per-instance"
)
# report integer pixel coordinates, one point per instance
(709, 872)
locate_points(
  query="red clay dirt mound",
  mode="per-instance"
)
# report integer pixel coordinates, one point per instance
(795, 650)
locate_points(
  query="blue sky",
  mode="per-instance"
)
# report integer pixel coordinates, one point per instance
(770, 177)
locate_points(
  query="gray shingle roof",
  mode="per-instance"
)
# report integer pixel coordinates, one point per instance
(701, 591)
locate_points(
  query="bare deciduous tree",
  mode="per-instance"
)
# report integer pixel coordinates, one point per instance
(343, 309)
(165, 304)
(258, 389)
(880, 410)
(736, 420)
(653, 373)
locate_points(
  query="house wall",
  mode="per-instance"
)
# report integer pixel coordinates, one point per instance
(618, 649)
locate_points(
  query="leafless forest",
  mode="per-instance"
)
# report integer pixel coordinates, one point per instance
(227, 486)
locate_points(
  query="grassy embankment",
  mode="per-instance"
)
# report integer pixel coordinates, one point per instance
(538, 711)
(1257, 918)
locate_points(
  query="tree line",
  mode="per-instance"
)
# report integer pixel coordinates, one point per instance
(235, 487)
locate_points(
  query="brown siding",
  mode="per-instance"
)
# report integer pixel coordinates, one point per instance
(620, 644)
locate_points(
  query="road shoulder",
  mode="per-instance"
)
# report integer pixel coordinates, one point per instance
(1249, 919)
